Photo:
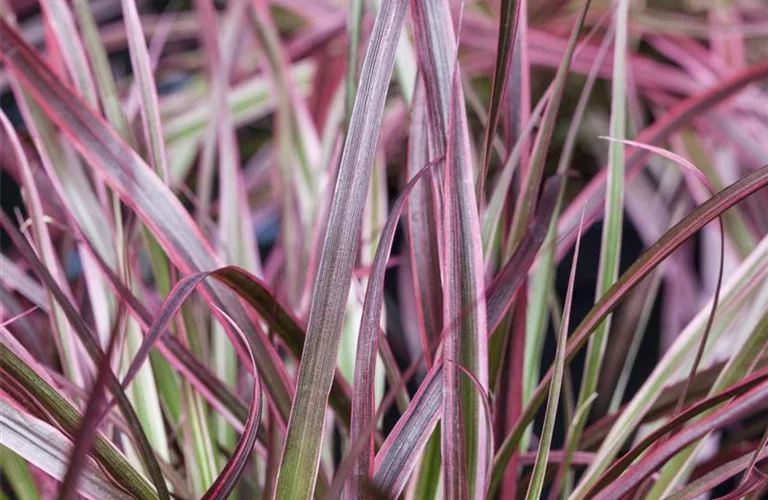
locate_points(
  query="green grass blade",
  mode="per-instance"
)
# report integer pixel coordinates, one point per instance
(65, 415)
(610, 243)
(17, 474)
(536, 485)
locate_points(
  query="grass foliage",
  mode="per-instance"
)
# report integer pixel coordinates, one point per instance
(384, 249)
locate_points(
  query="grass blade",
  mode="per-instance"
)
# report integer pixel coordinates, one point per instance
(17, 474)
(301, 455)
(542, 455)
(741, 406)
(509, 19)
(90, 424)
(397, 455)
(91, 345)
(676, 118)
(423, 230)
(463, 290)
(150, 109)
(47, 448)
(708, 481)
(527, 201)
(365, 358)
(63, 334)
(225, 482)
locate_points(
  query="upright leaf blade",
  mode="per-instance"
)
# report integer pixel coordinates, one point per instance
(465, 344)
(612, 236)
(301, 455)
(510, 14)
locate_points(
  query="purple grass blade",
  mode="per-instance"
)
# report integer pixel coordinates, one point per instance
(465, 437)
(301, 455)
(710, 480)
(90, 424)
(225, 482)
(397, 456)
(502, 291)
(669, 123)
(54, 407)
(365, 358)
(508, 26)
(678, 420)
(423, 229)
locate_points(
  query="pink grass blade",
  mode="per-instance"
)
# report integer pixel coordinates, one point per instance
(397, 456)
(516, 105)
(66, 417)
(88, 338)
(139, 188)
(423, 229)
(503, 289)
(710, 480)
(679, 419)
(526, 202)
(150, 109)
(225, 482)
(179, 356)
(64, 337)
(436, 51)
(613, 211)
(464, 436)
(298, 147)
(536, 485)
(28, 440)
(656, 254)
(542, 279)
(236, 240)
(505, 49)
(463, 290)
(638, 471)
(365, 358)
(90, 424)
(261, 298)
(301, 455)
(761, 446)
(690, 167)
(106, 86)
(59, 19)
